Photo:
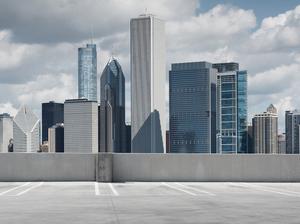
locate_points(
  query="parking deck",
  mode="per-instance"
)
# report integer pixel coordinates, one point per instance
(143, 202)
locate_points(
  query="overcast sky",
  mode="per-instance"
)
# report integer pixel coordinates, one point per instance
(39, 41)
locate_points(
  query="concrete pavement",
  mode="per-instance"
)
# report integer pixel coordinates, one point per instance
(155, 202)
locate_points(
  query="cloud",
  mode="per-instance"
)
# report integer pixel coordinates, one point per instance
(56, 21)
(281, 32)
(8, 108)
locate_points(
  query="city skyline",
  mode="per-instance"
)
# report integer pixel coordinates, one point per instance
(54, 76)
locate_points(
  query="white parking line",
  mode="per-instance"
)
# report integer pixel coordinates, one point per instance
(14, 188)
(266, 189)
(113, 189)
(196, 189)
(179, 189)
(29, 189)
(97, 192)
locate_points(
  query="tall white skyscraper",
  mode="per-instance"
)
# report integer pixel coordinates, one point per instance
(81, 126)
(26, 131)
(148, 76)
(6, 131)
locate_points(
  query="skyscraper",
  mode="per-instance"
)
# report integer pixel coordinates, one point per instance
(26, 131)
(6, 131)
(265, 131)
(87, 72)
(112, 108)
(231, 108)
(148, 77)
(81, 126)
(56, 138)
(52, 113)
(281, 144)
(292, 126)
(192, 89)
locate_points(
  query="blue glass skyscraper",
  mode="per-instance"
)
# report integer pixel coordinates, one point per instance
(87, 72)
(192, 108)
(231, 108)
(112, 109)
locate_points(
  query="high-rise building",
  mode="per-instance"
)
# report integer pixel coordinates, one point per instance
(112, 108)
(281, 144)
(6, 131)
(192, 90)
(81, 126)
(52, 113)
(128, 138)
(292, 126)
(26, 131)
(231, 108)
(148, 77)
(87, 72)
(250, 139)
(56, 138)
(265, 131)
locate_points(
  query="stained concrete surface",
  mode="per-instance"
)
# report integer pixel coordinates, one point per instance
(154, 202)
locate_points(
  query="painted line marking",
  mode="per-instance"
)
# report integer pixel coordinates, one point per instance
(97, 191)
(14, 188)
(179, 189)
(260, 188)
(29, 189)
(195, 189)
(282, 190)
(113, 189)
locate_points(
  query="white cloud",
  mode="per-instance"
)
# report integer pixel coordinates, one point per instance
(8, 108)
(281, 32)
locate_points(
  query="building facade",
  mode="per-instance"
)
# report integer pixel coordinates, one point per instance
(292, 126)
(56, 138)
(26, 131)
(112, 108)
(148, 77)
(6, 131)
(281, 144)
(231, 108)
(265, 131)
(87, 72)
(192, 91)
(52, 113)
(80, 126)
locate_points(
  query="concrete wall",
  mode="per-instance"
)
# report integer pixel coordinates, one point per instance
(195, 167)
(47, 167)
(148, 167)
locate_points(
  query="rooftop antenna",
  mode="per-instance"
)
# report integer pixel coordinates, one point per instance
(92, 33)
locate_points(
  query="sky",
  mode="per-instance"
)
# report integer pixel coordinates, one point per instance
(39, 42)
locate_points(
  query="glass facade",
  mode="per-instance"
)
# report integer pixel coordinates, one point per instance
(112, 109)
(87, 72)
(231, 109)
(52, 114)
(192, 108)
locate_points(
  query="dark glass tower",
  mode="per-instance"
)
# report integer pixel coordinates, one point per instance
(192, 108)
(112, 108)
(292, 127)
(231, 108)
(52, 113)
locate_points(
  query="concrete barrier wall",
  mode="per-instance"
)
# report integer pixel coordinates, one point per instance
(195, 167)
(47, 167)
(148, 167)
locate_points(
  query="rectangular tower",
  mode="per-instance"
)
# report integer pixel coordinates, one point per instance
(192, 108)
(87, 72)
(148, 77)
(52, 113)
(292, 124)
(231, 108)
(6, 131)
(265, 131)
(81, 126)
